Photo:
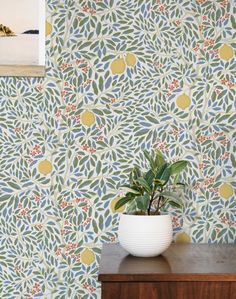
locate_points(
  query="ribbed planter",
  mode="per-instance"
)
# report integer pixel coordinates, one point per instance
(145, 236)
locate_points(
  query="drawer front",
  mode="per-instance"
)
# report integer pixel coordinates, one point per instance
(169, 290)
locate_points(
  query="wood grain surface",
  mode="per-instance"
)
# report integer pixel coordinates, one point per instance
(169, 290)
(184, 271)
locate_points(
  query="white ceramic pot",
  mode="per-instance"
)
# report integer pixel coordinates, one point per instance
(145, 236)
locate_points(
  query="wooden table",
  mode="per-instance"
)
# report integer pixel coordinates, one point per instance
(184, 271)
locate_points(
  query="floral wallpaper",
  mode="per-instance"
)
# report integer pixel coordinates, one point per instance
(122, 76)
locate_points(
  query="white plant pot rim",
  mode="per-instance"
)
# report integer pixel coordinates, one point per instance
(144, 216)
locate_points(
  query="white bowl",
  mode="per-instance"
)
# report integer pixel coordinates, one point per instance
(145, 236)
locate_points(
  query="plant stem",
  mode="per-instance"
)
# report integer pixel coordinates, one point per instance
(150, 203)
(160, 198)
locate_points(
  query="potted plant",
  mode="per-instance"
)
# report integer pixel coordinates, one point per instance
(146, 229)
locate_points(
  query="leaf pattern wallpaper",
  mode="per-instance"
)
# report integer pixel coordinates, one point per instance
(122, 76)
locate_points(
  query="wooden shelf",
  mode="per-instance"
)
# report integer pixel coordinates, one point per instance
(205, 269)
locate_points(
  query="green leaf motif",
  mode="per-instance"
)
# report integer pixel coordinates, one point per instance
(174, 203)
(13, 185)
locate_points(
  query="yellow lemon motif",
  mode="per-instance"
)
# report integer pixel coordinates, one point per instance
(183, 101)
(45, 167)
(48, 28)
(113, 203)
(183, 238)
(226, 191)
(130, 59)
(118, 66)
(87, 257)
(88, 118)
(226, 52)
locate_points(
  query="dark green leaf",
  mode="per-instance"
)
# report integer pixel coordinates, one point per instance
(166, 174)
(149, 176)
(142, 202)
(161, 170)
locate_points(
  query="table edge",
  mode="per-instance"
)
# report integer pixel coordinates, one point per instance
(227, 277)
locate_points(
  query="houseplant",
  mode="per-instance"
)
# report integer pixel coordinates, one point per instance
(145, 230)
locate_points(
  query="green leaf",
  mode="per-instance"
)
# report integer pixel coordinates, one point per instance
(233, 21)
(171, 195)
(166, 174)
(108, 57)
(13, 185)
(131, 180)
(159, 182)
(142, 202)
(176, 179)
(135, 174)
(159, 159)
(122, 201)
(84, 45)
(101, 84)
(144, 184)
(149, 176)
(4, 197)
(161, 170)
(173, 198)
(132, 206)
(150, 160)
(178, 166)
(95, 89)
(233, 160)
(130, 189)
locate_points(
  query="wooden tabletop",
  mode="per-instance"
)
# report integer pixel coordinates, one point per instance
(180, 262)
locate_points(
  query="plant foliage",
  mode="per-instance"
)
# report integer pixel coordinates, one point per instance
(149, 192)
